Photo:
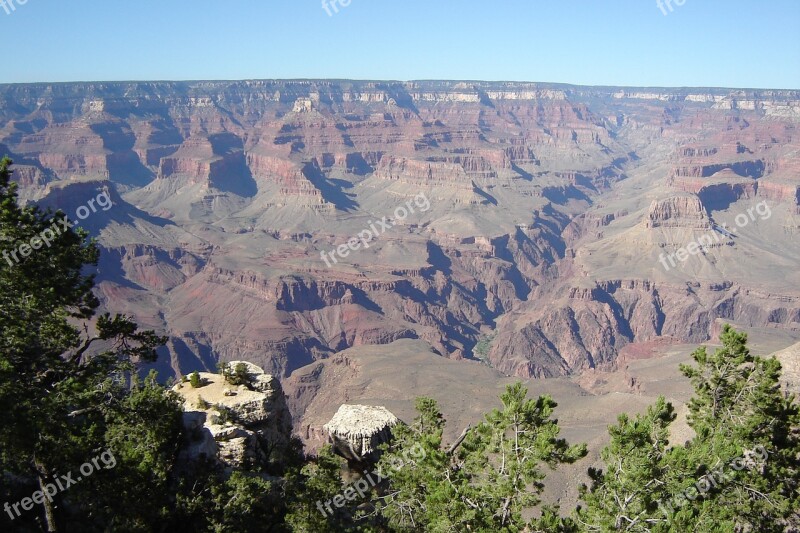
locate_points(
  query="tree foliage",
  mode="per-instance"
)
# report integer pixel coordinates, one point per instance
(318, 482)
(63, 380)
(738, 473)
(506, 454)
(486, 483)
(627, 495)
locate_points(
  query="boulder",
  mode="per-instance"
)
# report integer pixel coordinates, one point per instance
(356, 431)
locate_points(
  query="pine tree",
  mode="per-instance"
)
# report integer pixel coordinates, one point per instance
(505, 455)
(629, 494)
(143, 431)
(423, 483)
(738, 473)
(58, 382)
(319, 481)
(739, 411)
(483, 484)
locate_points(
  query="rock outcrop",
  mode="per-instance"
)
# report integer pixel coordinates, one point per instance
(236, 425)
(684, 211)
(356, 431)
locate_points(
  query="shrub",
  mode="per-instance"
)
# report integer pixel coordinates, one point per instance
(238, 376)
(224, 370)
(241, 376)
(226, 414)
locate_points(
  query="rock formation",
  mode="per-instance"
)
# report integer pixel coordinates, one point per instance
(235, 425)
(679, 211)
(356, 431)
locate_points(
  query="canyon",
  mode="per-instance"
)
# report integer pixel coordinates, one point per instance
(550, 206)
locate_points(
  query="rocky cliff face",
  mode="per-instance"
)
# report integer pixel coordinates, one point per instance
(238, 205)
(679, 211)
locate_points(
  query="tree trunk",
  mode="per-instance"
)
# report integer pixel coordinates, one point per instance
(459, 440)
(49, 513)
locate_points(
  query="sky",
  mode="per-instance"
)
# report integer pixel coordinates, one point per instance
(701, 43)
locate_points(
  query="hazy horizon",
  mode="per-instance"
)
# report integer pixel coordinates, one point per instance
(424, 80)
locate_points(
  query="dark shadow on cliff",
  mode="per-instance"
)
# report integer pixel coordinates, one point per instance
(231, 173)
(124, 165)
(555, 222)
(720, 196)
(438, 259)
(74, 196)
(238, 179)
(125, 168)
(527, 176)
(623, 325)
(303, 352)
(483, 194)
(109, 268)
(332, 190)
(562, 195)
